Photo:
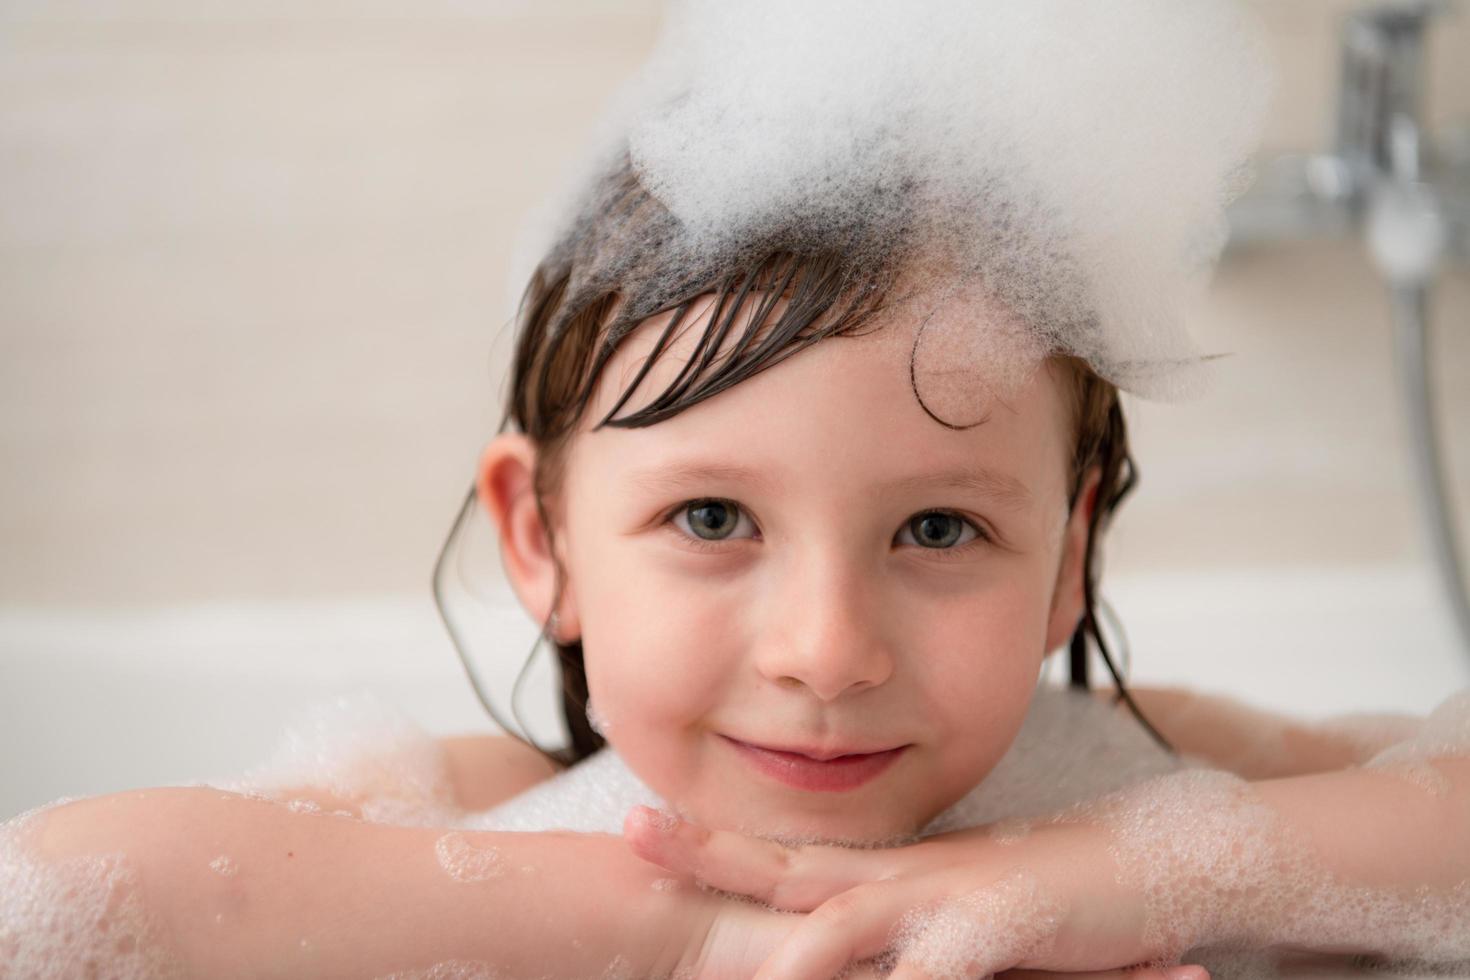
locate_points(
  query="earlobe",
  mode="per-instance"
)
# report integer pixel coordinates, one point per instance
(505, 485)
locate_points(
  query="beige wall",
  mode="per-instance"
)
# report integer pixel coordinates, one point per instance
(252, 292)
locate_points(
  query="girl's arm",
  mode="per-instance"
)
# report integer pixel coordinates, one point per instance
(234, 886)
(1256, 744)
(1402, 829)
(1370, 860)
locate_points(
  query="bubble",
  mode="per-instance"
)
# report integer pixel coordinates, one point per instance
(355, 747)
(619, 969)
(982, 932)
(1006, 832)
(1216, 864)
(597, 719)
(448, 970)
(664, 884)
(1076, 207)
(80, 916)
(466, 859)
(224, 865)
(593, 796)
(1445, 732)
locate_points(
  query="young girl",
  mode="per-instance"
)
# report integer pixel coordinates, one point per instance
(814, 439)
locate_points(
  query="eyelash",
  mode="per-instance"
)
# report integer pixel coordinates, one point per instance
(982, 536)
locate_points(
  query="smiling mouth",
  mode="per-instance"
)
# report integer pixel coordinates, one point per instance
(822, 773)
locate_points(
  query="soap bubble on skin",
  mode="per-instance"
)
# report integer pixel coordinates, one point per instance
(981, 932)
(224, 866)
(466, 859)
(448, 970)
(80, 916)
(619, 969)
(1216, 865)
(1445, 732)
(1007, 832)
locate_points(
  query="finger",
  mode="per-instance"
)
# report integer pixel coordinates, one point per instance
(797, 879)
(854, 925)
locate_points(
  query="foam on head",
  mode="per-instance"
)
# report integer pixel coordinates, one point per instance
(1062, 166)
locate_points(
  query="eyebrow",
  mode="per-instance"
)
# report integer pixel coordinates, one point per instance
(1005, 490)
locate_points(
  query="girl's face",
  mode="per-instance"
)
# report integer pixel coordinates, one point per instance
(807, 566)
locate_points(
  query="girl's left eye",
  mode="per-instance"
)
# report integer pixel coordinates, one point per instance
(938, 530)
(711, 520)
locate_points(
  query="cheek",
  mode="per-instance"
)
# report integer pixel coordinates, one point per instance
(654, 653)
(984, 658)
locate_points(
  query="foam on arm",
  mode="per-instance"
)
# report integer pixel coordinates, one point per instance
(1371, 859)
(197, 882)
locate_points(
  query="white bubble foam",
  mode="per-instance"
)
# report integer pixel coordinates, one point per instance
(225, 866)
(597, 719)
(619, 969)
(1068, 163)
(1445, 732)
(980, 933)
(1215, 864)
(1007, 832)
(357, 748)
(76, 917)
(448, 970)
(467, 859)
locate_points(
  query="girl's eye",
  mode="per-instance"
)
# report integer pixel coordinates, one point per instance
(937, 529)
(710, 520)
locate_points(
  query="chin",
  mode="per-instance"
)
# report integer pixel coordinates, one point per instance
(854, 825)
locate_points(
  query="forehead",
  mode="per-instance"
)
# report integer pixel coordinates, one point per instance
(849, 403)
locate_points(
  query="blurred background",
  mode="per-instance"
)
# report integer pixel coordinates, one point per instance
(254, 303)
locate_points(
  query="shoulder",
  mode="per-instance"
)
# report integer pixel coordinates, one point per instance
(487, 769)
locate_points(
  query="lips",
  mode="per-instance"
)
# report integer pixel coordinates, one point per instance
(816, 770)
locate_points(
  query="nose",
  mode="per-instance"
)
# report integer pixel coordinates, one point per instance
(827, 637)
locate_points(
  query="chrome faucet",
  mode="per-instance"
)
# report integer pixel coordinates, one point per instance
(1408, 197)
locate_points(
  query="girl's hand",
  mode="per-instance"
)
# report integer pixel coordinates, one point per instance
(954, 905)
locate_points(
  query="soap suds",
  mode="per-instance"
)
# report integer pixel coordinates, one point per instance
(448, 970)
(1048, 176)
(357, 748)
(981, 933)
(1217, 865)
(76, 917)
(466, 859)
(1446, 732)
(225, 866)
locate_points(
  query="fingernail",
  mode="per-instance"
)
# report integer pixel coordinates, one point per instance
(661, 820)
(1186, 973)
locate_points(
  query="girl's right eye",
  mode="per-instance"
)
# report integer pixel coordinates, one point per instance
(711, 520)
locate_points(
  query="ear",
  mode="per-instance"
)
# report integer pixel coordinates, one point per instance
(1067, 596)
(506, 489)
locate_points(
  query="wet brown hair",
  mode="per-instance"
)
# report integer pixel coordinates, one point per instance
(606, 276)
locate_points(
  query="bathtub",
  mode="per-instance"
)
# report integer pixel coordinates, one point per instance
(94, 700)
